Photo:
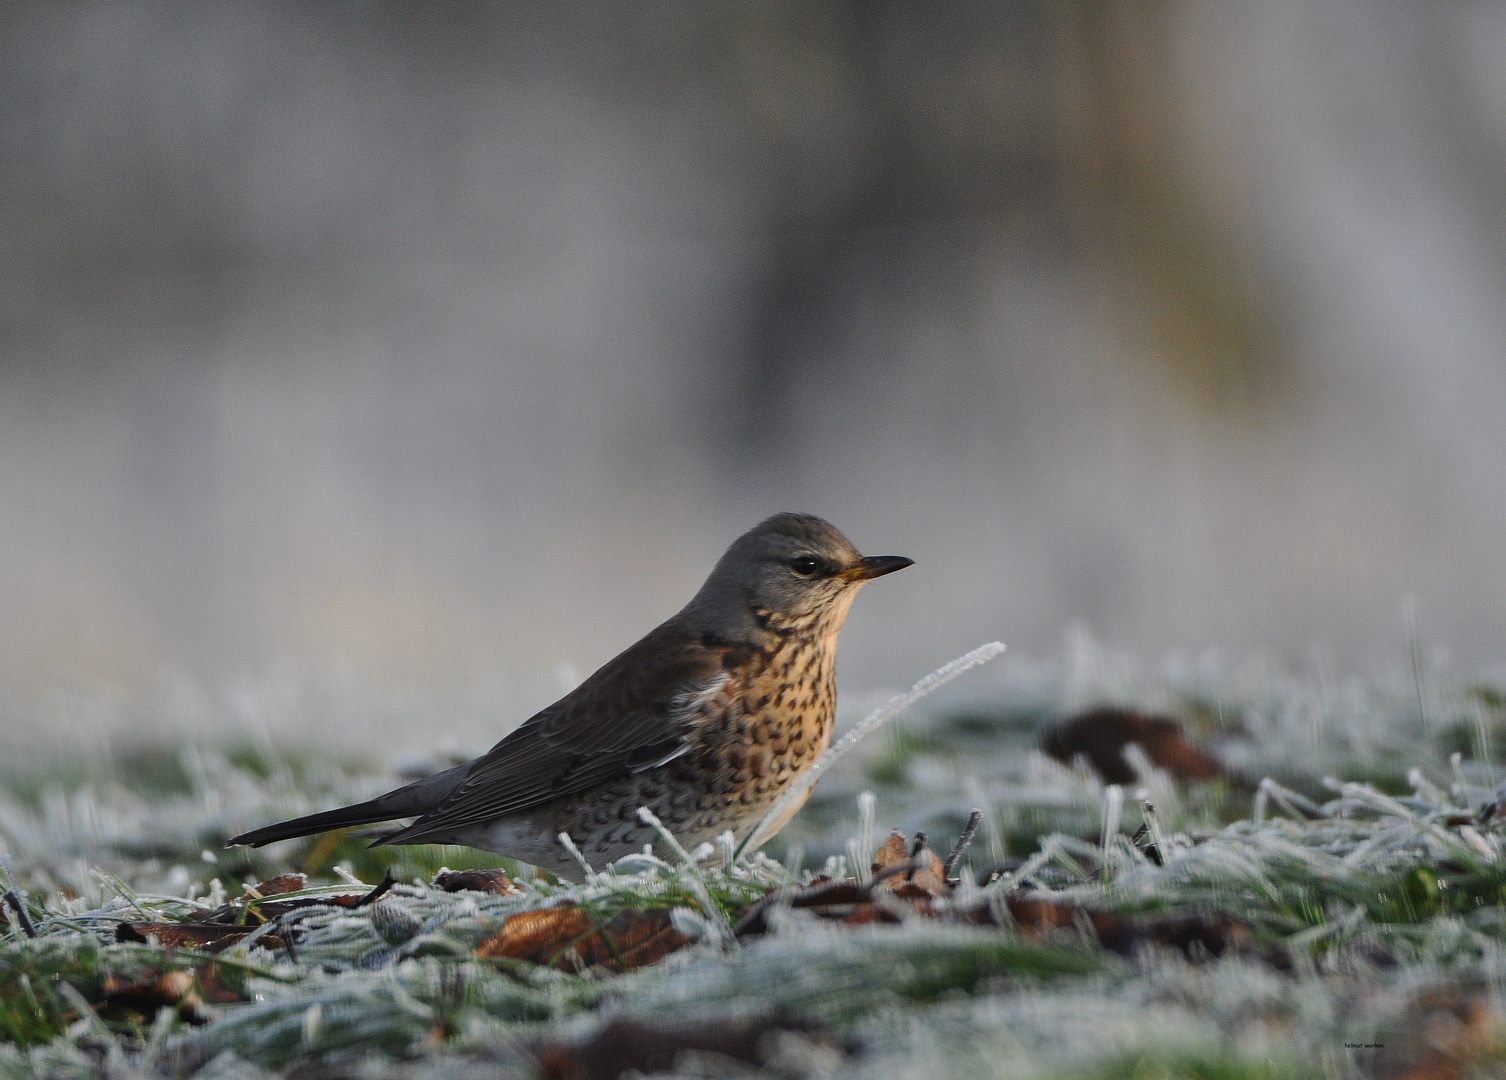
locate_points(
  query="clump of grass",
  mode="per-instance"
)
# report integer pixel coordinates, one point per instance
(33, 1009)
(1362, 865)
(1369, 888)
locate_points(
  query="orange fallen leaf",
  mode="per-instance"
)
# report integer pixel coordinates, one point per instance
(894, 850)
(923, 879)
(569, 938)
(283, 883)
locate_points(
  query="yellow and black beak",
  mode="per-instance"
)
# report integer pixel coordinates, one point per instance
(873, 566)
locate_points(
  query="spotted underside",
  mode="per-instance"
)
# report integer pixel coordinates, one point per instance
(744, 730)
(750, 736)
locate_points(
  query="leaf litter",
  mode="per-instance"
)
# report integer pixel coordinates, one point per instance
(1141, 932)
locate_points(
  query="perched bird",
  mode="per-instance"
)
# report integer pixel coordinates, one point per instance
(705, 721)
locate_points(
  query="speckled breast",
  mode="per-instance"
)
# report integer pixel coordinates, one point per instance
(769, 724)
(750, 736)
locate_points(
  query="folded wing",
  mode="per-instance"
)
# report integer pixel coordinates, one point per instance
(634, 713)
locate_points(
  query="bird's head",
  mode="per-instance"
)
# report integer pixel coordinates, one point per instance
(791, 570)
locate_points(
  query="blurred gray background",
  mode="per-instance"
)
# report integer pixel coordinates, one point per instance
(372, 364)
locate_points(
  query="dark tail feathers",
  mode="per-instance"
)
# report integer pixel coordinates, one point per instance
(361, 814)
(415, 798)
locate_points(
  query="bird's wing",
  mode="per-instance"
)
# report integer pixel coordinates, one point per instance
(632, 714)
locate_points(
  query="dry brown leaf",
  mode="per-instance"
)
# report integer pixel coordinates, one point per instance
(821, 894)
(915, 880)
(1101, 734)
(1193, 933)
(210, 937)
(171, 989)
(538, 936)
(487, 881)
(895, 850)
(917, 877)
(1036, 916)
(918, 891)
(251, 906)
(570, 939)
(213, 988)
(283, 883)
(275, 908)
(862, 914)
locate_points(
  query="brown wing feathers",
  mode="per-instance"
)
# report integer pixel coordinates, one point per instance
(618, 720)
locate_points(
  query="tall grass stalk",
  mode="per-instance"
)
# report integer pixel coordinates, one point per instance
(795, 794)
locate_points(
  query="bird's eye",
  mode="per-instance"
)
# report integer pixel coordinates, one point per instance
(805, 566)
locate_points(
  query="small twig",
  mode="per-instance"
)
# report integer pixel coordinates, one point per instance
(255, 936)
(1147, 844)
(286, 930)
(915, 849)
(381, 889)
(13, 898)
(974, 819)
(908, 868)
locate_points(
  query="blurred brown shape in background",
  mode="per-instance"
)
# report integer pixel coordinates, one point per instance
(1100, 735)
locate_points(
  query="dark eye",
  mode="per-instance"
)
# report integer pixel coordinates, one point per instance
(805, 566)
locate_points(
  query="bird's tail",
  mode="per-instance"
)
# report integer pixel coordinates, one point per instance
(415, 798)
(364, 813)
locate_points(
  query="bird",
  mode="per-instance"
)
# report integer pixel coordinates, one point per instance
(705, 721)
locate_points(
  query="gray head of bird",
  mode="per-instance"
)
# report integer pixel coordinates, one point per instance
(789, 570)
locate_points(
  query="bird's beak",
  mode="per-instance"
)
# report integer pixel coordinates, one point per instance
(874, 566)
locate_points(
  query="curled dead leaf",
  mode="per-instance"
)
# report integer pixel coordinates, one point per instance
(894, 850)
(821, 894)
(210, 937)
(487, 881)
(569, 938)
(907, 877)
(909, 871)
(283, 883)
